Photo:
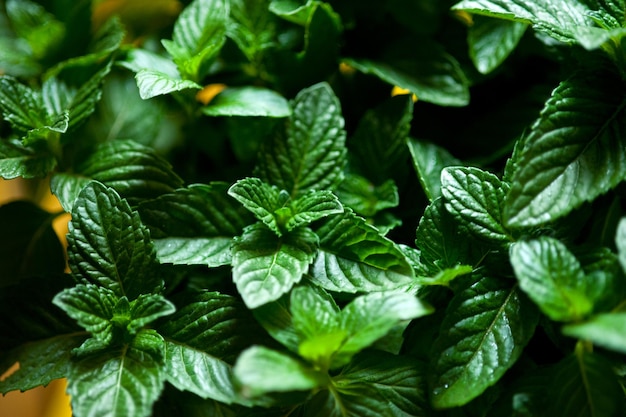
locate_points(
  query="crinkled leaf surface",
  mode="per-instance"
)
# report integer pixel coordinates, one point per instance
(365, 198)
(123, 383)
(354, 257)
(261, 199)
(476, 199)
(265, 266)
(311, 153)
(108, 244)
(195, 225)
(485, 329)
(19, 161)
(574, 152)
(154, 83)
(135, 171)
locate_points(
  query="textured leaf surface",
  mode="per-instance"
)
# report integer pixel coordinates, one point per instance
(491, 41)
(574, 153)
(261, 199)
(122, 383)
(485, 330)
(556, 18)
(266, 266)
(135, 171)
(429, 160)
(152, 83)
(381, 136)
(195, 225)
(354, 257)
(364, 197)
(248, 101)
(20, 105)
(311, 153)
(108, 244)
(553, 278)
(40, 362)
(18, 161)
(607, 330)
(312, 206)
(261, 370)
(476, 199)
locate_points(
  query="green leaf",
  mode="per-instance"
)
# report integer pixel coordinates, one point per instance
(276, 319)
(381, 136)
(135, 171)
(92, 307)
(29, 245)
(607, 330)
(16, 58)
(354, 257)
(555, 18)
(584, 384)
(553, 278)
(109, 246)
(312, 206)
(620, 242)
(40, 362)
(369, 317)
(430, 73)
(199, 33)
(476, 199)
(311, 153)
(146, 309)
(248, 101)
(491, 41)
(251, 27)
(574, 152)
(261, 370)
(20, 105)
(266, 266)
(395, 384)
(122, 382)
(195, 225)
(292, 10)
(484, 331)
(32, 22)
(429, 160)
(154, 83)
(19, 161)
(261, 199)
(365, 198)
(193, 370)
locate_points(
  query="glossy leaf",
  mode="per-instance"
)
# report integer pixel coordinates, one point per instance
(432, 74)
(266, 266)
(154, 83)
(135, 171)
(248, 101)
(553, 278)
(354, 257)
(491, 41)
(20, 105)
(552, 17)
(310, 154)
(19, 161)
(620, 242)
(195, 225)
(261, 199)
(261, 370)
(277, 320)
(123, 382)
(312, 206)
(573, 154)
(476, 199)
(109, 246)
(485, 329)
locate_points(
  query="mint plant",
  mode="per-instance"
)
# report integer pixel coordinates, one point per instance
(259, 227)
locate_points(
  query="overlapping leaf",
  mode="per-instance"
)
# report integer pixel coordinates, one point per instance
(491, 41)
(354, 257)
(485, 330)
(195, 225)
(108, 244)
(248, 101)
(135, 171)
(266, 266)
(310, 154)
(574, 153)
(607, 330)
(429, 160)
